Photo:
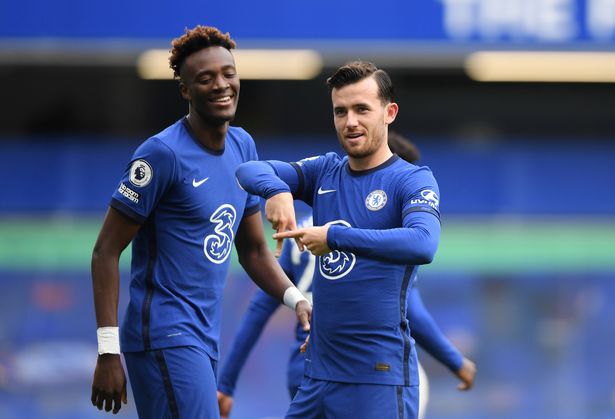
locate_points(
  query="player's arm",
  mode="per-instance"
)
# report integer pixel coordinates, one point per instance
(414, 244)
(259, 311)
(261, 308)
(109, 385)
(428, 335)
(416, 241)
(258, 261)
(275, 181)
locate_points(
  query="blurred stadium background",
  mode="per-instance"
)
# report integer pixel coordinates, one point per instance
(512, 103)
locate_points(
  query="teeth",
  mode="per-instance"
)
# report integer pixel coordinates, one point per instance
(222, 99)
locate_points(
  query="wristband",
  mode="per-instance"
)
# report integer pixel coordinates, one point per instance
(292, 296)
(108, 340)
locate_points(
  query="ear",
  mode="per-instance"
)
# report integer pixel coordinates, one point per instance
(183, 89)
(390, 110)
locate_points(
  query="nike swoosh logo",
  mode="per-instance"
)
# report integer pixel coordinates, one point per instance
(199, 183)
(322, 191)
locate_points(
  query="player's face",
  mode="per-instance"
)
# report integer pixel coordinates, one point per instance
(209, 81)
(361, 119)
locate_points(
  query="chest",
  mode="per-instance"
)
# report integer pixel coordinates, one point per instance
(369, 201)
(205, 185)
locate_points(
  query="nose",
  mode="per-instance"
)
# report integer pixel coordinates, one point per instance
(351, 120)
(221, 82)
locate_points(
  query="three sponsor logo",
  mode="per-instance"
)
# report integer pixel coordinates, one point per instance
(217, 246)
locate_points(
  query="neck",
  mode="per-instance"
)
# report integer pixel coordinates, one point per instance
(371, 161)
(210, 135)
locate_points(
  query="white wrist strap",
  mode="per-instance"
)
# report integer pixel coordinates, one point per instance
(108, 340)
(292, 296)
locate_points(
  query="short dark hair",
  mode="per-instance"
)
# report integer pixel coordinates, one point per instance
(194, 40)
(356, 71)
(403, 147)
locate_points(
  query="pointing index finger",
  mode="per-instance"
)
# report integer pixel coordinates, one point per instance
(288, 234)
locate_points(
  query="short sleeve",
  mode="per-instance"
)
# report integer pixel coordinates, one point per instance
(146, 178)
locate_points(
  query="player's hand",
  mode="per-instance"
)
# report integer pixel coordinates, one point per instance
(303, 309)
(466, 374)
(304, 345)
(280, 211)
(313, 238)
(109, 385)
(225, 404)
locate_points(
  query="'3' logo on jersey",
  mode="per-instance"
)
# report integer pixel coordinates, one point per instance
(336, 264)
(217, 246)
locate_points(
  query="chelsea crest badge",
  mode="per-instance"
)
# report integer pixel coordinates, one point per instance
(376, 200)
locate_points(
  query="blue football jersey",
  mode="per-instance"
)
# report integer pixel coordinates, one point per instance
(190, 206)
(359, 331)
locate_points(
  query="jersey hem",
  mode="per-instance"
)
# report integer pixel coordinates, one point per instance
(126, 210)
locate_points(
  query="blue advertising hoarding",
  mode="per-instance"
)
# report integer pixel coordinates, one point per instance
(587, 23)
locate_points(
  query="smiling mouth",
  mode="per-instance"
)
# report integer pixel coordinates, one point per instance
(223, 99)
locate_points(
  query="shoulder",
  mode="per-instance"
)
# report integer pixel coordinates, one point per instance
(239, 139)
(330, 159)
(172, 133)
(156, 146)
(411, 180)
(166, 141)
(240, 136)
(411, 171)
(157, 154)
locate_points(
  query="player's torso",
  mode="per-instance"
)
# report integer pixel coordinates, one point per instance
(182, 252)
(197, 218)
(357, 299)
(203, 208)
(365, 201)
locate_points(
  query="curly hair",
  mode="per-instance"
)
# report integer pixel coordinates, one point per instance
(194, 40)
(356, 71)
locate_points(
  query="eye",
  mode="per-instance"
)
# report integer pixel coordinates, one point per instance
(339, 112)
(230, 75)
(205, 81)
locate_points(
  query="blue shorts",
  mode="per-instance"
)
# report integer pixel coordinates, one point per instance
(333, 400)
(173, 383)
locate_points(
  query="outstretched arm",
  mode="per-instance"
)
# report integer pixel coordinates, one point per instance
(414, 244)
(109, 385)
(429, 336)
